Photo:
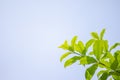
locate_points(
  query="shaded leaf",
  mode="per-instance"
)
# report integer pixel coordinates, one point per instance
(65, 55)
(115, 63)
(116, 77)
(91, 53)
(90, 71)
(104, 76)
(100, 72)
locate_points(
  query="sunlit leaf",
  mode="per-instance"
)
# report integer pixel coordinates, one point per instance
(65, 55)
(98, 48)
(73, 41)
(114, 46)
(90, 71)
(106, 46)
(87, 60)
(102, 34)
(106, 63)
(79, 47)
(95, 35)
(109, 56)
(64, 46)
(71, 61)
(89, 43)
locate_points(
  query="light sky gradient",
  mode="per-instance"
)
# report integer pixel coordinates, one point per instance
(31, 31)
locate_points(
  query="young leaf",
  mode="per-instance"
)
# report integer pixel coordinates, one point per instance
(114, 46)
(79, 47)
(89, 43)
(95, 35)
(106, 46)
(102, 34)
(87, 60)
(90, 71)
(98, 48)
(71, 61)
(65, 55)
(73, 41)
(64, 46)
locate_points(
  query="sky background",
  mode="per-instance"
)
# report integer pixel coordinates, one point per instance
(32, 30)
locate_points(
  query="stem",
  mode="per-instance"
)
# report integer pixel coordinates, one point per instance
(76, 53)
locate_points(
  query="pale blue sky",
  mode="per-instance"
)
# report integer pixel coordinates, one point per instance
(31, 31)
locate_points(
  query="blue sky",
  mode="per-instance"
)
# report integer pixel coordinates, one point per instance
(31, 31)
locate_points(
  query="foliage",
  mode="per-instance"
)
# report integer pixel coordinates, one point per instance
(95, 52)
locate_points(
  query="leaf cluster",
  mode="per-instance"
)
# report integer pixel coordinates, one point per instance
(97, 53)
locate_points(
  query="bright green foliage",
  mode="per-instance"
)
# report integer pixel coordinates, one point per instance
(90, 71)
(65, 55)
(102, 34)
(87, 60)
(98, 48)
(71, 61)
(114, 46)
(95, 35)
(100, 56)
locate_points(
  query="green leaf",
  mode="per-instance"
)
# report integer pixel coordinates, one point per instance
(79, 47)
(104, 76)
(65, 45)
(105, 63)
(89, 43)
(98, 48)
(91, 53)
(73, 41)
(65, 55)
(106, 46)
(102, 34)
(95, 35)
(101, 72)
(114, 46)
(115, 63)
(71, 61)
(87, 60)
(90, 71)
(109, 56)
(116, 77)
